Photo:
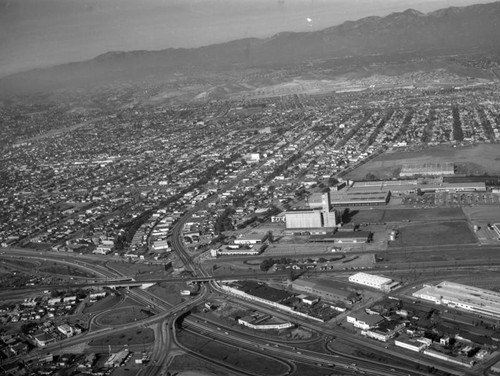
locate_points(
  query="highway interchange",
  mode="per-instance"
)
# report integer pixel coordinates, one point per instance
(413, 262)
(164, 325)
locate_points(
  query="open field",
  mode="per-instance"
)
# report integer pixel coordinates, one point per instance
(404, 215)
(191, 366)
(436, 233)
(103, 304)
(242, 359)
(139, 270)
(141, 336)
(123, 315)
(470, 160)
(169, 291)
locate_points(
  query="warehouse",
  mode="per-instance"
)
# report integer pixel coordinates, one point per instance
(455, 295)
(312, 218)
(328, 290)
(343, 237)
(354, 196)
(427, 169)
(375, 281)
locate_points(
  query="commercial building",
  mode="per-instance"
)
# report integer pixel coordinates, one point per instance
(468, 298)
(364, 321)
(260, 321)
(250, 239)
(43, 339)
(412, 344)
(161, 245)
(237, 250)
(66, 330)
(374, 281)
(384, 331)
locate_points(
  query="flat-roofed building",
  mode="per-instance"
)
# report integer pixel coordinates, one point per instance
(456, 295)
(363, 320)
(352, 196)
(328, 290)
(320, 217)
(250, 239)
(412, 344)
(375, 281)
(427, 169)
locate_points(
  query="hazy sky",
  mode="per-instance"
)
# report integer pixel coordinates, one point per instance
(38, 33)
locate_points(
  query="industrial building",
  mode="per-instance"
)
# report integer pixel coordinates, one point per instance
(363, 320)
(356, 196)
(312, 218)
(412, 344)
(400, 187)
(331, 291)
(374, 281)
(427, 169)
(250, 239)
(260, 321)
(343, 237)
(468, 298)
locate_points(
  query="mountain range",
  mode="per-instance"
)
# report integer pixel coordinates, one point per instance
(471, 28)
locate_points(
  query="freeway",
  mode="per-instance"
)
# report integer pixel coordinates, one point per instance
(90, 336)
(76, 261)
(292, 353)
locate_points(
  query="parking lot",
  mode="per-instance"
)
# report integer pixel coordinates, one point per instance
(466, 198)
(450, 199)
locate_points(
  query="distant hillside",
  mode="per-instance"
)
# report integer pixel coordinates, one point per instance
(469, 28)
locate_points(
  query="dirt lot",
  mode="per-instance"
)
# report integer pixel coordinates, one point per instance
(473, 159)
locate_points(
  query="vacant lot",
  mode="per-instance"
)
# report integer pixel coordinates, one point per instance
(191, 366)
(404, 215)
(436, 233)
(123, 315)
(473, 159)
(103, 304)
(141, 336)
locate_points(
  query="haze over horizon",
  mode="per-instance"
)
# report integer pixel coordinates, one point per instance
(41, 33)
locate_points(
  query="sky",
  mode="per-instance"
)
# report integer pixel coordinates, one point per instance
(41, 33)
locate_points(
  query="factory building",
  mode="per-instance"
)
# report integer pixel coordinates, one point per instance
(374, 281)
(331, 291)
(468, 298)
(427, 169)
(312, 218)
(356, 196)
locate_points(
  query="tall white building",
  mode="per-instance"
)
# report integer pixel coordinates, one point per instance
(312, 218)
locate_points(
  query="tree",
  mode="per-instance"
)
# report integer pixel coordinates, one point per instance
(270, 236)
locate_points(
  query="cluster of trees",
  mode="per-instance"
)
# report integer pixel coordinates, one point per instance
(224, 221)
(267, 263)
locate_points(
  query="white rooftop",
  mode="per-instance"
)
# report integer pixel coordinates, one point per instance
(462, 296)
